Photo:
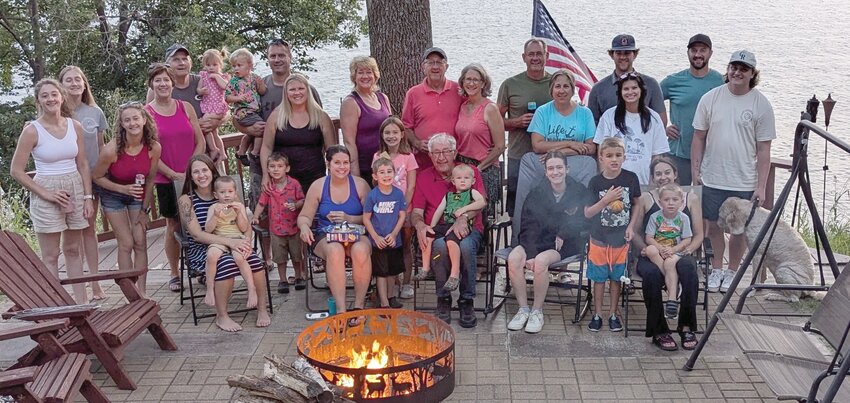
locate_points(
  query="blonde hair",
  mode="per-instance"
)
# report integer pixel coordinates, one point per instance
(214, 55)
(64, 109)
(571, 79)
(241, 54)
(670, 187)
(87, 97)
(314, 111)
(612, 142)
(364, 62)
(461, 169)
(149, 131)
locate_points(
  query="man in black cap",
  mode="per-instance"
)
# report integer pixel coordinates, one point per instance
(684, 90)
(603, 96)
(432, 106)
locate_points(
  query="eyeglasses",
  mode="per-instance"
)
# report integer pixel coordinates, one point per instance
(473, 80)
(433, 63)
(743, 68)
(443, 153)
(278, 42)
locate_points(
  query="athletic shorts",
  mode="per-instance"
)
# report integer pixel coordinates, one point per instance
(606, 262)
(387, 262)
(713, 198)
(166, 200)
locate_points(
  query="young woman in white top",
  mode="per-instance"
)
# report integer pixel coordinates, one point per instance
(61, 199)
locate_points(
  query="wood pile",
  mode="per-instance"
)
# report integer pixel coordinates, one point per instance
(282, 382)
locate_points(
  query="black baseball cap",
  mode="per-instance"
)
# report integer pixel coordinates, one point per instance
(700, 38)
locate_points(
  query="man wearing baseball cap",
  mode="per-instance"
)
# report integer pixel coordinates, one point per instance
(730, 155)
(432, 106)
(684, 90)
(603, 96)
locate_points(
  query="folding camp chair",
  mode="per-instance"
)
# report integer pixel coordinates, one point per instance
(193, 273)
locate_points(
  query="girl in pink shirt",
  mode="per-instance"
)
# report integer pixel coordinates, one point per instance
(394, 144)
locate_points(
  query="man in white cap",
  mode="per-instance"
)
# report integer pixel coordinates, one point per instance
(730, 155)
(603, 96)
(684, 90)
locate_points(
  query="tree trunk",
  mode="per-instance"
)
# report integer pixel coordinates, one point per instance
(37, 62)
(399, 31)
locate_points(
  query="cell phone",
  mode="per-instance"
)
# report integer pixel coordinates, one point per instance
(316, 315)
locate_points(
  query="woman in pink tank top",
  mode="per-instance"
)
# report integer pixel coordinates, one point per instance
(61, 199)
(181, 138)
(480, 130)
(125, 173)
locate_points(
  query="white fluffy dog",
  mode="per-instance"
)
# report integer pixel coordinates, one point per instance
(787, 256)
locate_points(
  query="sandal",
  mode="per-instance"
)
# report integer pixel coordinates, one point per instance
(290, 279)
(671, 309)
(174, 284)
(665, 342)
(689, 340)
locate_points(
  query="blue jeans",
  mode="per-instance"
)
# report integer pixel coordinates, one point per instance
(442, 266)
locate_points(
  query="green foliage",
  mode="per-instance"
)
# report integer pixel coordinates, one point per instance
(836, 224)
(15, 215)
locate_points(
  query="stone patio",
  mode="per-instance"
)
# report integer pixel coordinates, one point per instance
(564, 363)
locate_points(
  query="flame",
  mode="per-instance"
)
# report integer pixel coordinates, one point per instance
(374, 358)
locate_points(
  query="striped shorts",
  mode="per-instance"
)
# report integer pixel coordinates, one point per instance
(606, 262)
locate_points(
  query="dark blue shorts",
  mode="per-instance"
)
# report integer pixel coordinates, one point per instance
(712, 199)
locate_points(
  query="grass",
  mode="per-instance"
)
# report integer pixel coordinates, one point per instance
(15, 214)
(835, 222)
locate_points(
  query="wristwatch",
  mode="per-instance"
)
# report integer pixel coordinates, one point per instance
(88, 197)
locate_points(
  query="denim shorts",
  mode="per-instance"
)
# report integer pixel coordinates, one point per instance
(113, 202)
(713, 198)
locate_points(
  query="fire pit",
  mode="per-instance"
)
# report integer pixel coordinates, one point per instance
(383, 355)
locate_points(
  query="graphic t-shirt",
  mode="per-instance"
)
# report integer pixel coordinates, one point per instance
(640, 146)
(609, 226)
(385, 209)
(669, 231)
(553, 126)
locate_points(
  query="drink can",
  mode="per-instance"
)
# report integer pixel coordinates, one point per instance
(532, 106)
(140, 179)
(331, 306)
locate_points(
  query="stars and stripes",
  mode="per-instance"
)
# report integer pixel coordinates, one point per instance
(561, 53)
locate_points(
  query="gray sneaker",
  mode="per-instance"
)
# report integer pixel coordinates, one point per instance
(728, 276)
(714, 280)
(535, 322)
(519, 320)
(406, 291)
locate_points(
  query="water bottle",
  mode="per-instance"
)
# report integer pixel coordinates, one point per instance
(331, 306)
(532, 106)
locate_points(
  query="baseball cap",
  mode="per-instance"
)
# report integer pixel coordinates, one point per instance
(700, 38)
(744, 57)
(174, 49)
(623, 42)
(436, 50)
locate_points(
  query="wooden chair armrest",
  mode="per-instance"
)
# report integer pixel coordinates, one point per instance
(32, 329)
(15, 377)
(56, 312)
(111, 275)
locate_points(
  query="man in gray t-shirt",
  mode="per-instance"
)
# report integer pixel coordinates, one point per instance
(603, 96)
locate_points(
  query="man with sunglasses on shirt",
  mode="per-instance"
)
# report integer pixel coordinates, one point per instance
(603, 96)
(730, 155)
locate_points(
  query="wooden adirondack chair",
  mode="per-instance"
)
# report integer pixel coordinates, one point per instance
(59, 379)
(105, 333)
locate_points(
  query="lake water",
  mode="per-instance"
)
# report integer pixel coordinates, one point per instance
(798, 44)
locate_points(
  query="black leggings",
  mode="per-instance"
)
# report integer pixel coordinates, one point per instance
(653, 281)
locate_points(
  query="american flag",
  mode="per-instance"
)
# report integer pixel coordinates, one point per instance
(561, 53)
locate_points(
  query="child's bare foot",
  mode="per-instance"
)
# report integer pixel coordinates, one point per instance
(210, 298)
(451, 284)
(97, 293)
(263, 318)
(252, 299)
(227, 324)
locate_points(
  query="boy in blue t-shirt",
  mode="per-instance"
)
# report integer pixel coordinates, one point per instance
(384, 211)
(611, 228)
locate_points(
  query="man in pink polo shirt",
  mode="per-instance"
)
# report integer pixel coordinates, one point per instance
(432, 106)
(432, 184)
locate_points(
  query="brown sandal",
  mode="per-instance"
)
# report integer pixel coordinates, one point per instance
(665, 342)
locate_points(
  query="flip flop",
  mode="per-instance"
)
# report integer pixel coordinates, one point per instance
(174, 284)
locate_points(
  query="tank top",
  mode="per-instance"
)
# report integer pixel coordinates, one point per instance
(473, 135)
(124, 170)
(368, 138)
(655, 208)
(351, 206)
(189, 93)
(303, 146)
(177, 138)
(55, 156)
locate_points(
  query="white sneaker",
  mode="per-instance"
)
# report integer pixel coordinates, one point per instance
(535, 322)
(519, 320)
(714, 280)
(406, 291)
(728, 276)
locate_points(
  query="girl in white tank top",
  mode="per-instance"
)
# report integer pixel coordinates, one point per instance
(55, 156)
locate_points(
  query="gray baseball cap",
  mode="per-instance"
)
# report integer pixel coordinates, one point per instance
(623, 42)
(174, 49)
(744, 57)
(436, 50)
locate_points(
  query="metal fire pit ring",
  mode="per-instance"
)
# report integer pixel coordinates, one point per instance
(421, 345)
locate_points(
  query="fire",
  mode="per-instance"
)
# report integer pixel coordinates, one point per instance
(375, 358)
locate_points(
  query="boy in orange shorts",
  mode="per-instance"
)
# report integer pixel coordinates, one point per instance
(611, 228)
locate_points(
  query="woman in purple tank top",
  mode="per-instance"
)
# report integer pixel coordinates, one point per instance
(125, 171)
(361, 115)
(181, 138)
